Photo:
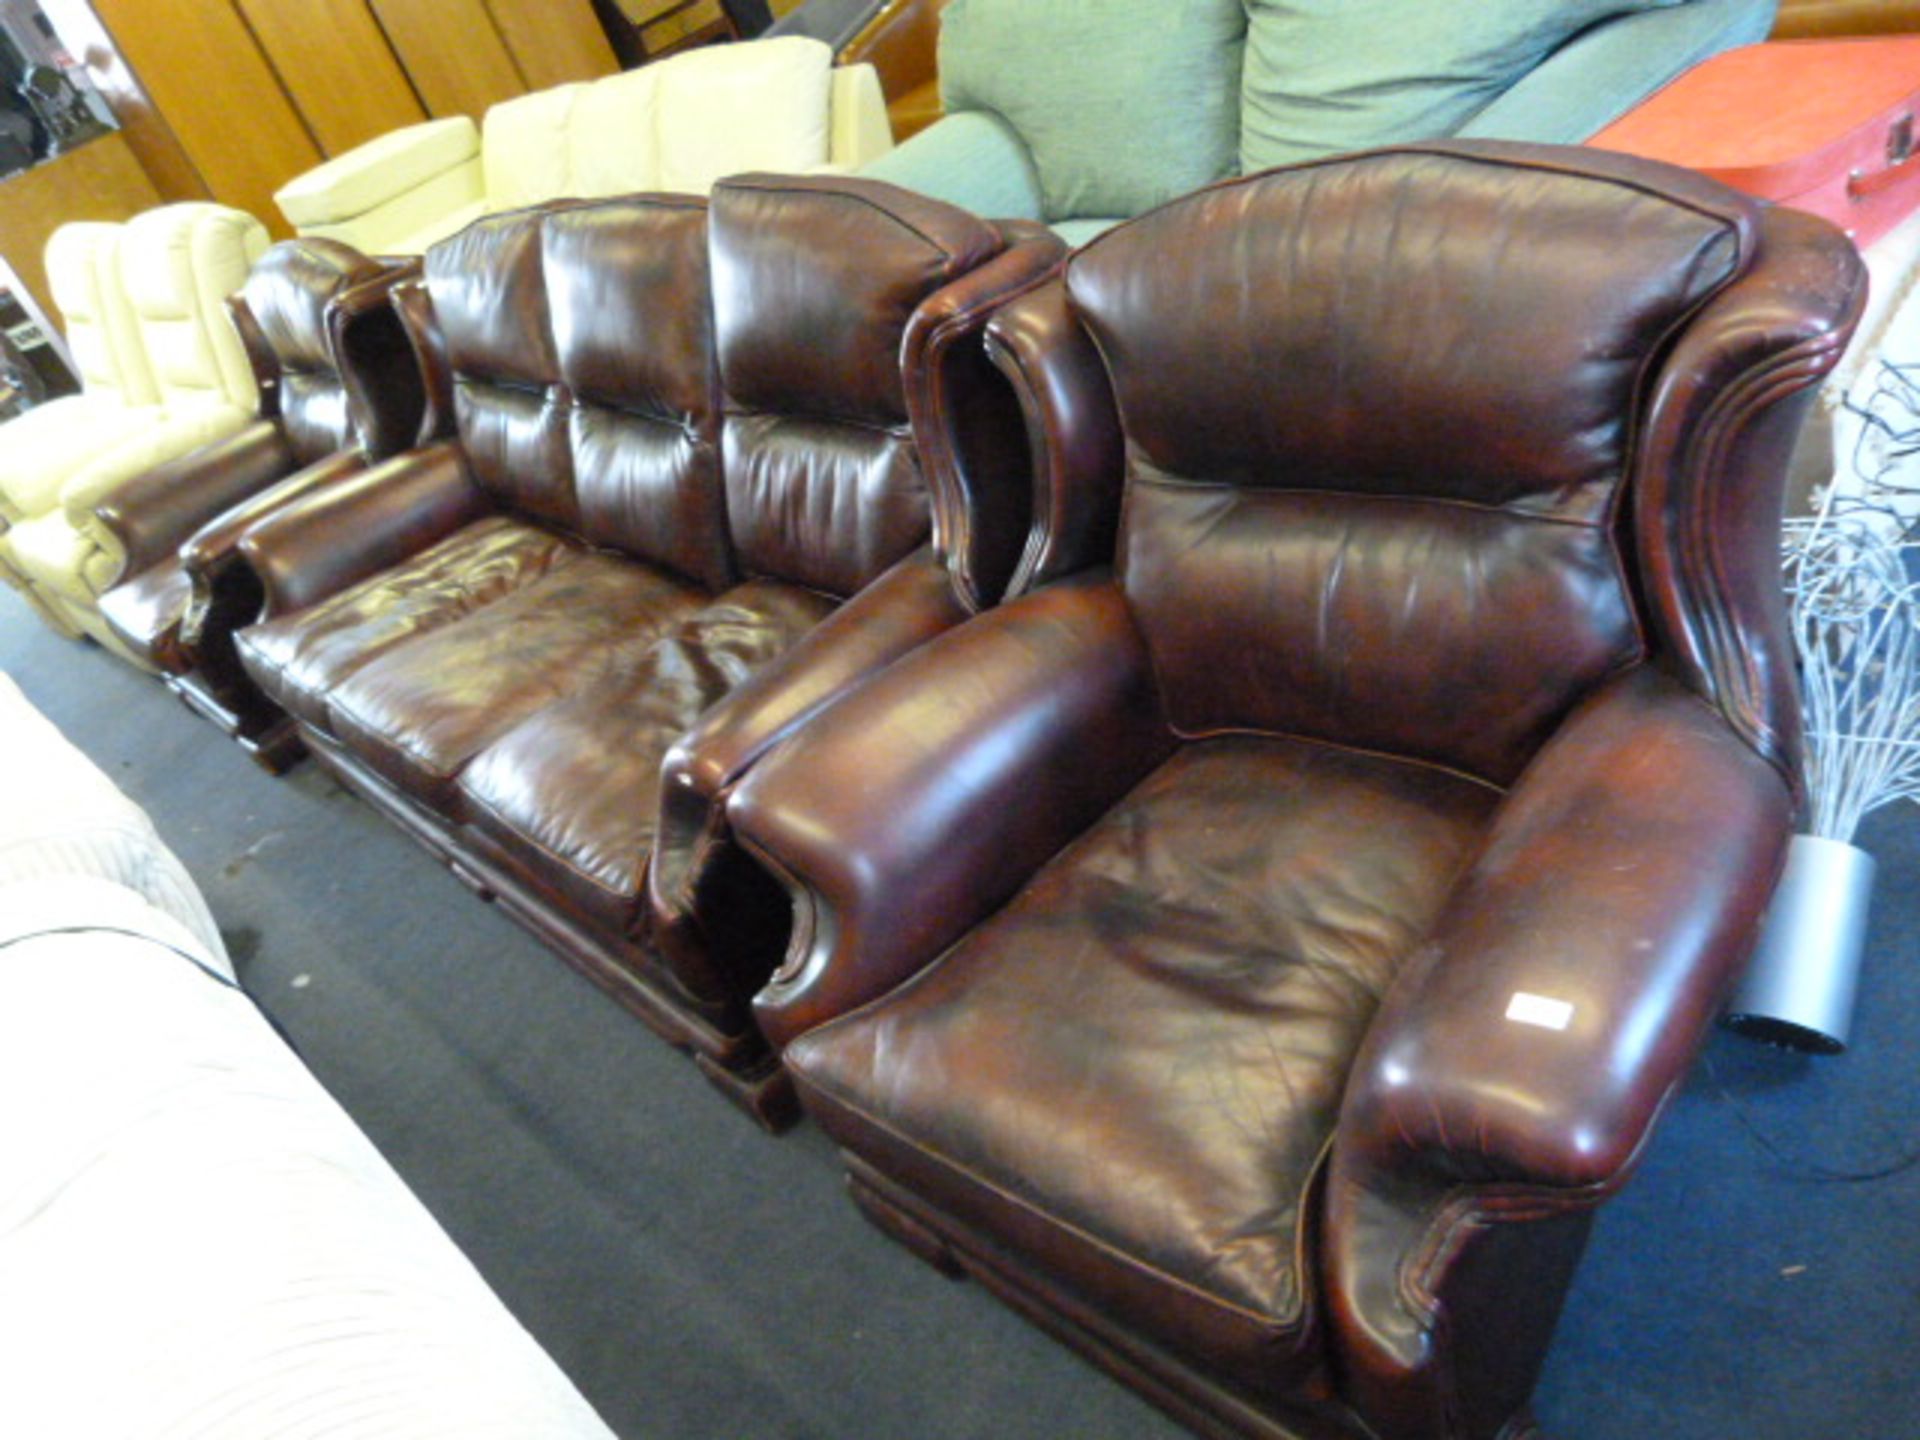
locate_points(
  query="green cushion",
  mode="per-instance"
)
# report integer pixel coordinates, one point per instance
(1123, 103)
(970, 159)
(1323, 76)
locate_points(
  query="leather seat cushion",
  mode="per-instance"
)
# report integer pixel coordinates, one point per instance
(1133, 1070)
(299, 659)
(572, 793)
(146, 611)
(418, 713)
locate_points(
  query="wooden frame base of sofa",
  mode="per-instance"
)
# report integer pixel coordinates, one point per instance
(266, 733)
(1195, 1399)
(739, 1065)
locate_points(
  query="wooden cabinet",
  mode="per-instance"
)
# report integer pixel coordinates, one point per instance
(232, 98)
(1800, 19)
(100, 180)
(336, 67)
(217, 92)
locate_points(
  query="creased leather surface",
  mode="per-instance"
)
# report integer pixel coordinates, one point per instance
(652, 488)
(490, 301)
(1403, 415)
(288, 289)
(572, 791)
(313, 409)
(813, 285)
(1149, 1044)
(1345, 332)
(299, 659)
(419, 712)
(645, 344)
(820, 504)
(638, 359)
(1327, 615)
(288, 293)
(515, 441)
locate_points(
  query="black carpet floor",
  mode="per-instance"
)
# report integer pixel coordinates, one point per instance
(700, 1279)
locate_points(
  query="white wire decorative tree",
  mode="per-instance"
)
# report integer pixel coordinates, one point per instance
(1854, 604)
(1855, 608)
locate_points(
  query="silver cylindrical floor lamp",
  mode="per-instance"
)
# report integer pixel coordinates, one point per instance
(1799, 987)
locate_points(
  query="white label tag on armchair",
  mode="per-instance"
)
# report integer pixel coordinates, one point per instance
(1539, 1010)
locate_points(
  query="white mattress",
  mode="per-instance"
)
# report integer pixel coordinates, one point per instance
(195, 1241)
(60, 815)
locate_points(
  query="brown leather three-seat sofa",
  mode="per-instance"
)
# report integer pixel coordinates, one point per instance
(683, 444)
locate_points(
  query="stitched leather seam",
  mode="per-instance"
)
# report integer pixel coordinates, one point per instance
(1168, 481)
(1413, 761)
(1726, 222)
(766, 188)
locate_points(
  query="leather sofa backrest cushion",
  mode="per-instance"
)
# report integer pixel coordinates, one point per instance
(611, 146)
(628, 294)
(524, 147)
(288, 293)
(755, 105)
(83, 272)
(1378, 421)
(678, 124)
(1327, 76)
(488, 284)
(179, 263)
(813, 285)
(1148, 107)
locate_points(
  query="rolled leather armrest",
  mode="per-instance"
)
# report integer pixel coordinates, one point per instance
(907, 812)
(1520, 1059)
(970, 425)
(211, 555)
(175, 435)
(906, 607)
(341, 533)
(1073, 425)
(153, 514)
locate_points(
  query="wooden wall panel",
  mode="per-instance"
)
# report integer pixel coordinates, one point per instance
(554, 41)
(451, 50)
(334, 61)
(1801, 19)
(199, 62)
(100, 180)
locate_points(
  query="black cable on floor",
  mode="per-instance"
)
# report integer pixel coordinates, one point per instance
(1798, 1164)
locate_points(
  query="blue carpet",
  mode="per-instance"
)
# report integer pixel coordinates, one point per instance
(698, 1279)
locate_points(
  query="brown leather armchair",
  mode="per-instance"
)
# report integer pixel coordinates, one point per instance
(339, 389)
(1255, 962)
(685, 463)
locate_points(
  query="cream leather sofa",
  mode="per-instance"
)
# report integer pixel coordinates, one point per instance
(195, 1240)
(164, 374)
(678, 124)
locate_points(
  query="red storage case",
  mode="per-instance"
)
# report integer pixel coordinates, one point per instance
(1825, 125)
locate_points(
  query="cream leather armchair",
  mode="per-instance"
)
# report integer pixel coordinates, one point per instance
(165, 374)
(40, 448)
(677, 124)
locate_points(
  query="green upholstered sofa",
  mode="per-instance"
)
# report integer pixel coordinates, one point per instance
(1084, 112)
